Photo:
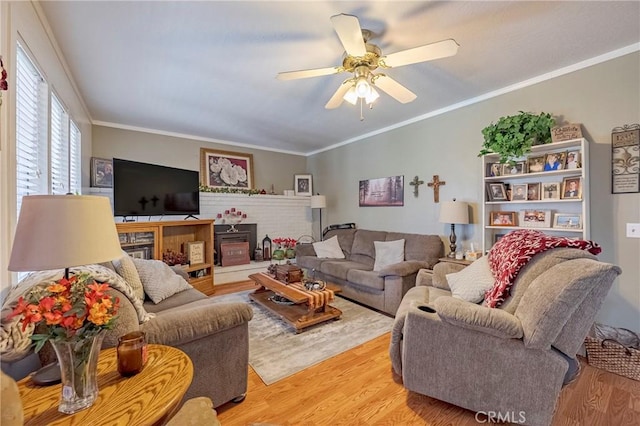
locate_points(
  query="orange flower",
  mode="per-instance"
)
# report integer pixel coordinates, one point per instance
(53, 318)
(56, 288)
(98, 314)
(98, 290)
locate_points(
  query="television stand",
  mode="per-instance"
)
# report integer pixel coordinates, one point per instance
(191, 216)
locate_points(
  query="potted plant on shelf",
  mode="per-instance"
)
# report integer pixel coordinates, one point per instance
(513, 136)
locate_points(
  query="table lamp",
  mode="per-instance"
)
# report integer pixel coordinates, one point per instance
(62, 231)
(454, 212)
(319, 202)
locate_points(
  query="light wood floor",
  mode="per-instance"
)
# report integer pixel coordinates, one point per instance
(358, 388)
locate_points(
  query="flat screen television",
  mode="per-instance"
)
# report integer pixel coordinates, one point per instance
(141, 189)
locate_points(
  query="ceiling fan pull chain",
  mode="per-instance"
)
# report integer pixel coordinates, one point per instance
(361, 113)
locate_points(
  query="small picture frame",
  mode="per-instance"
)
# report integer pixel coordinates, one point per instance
(571, 188)
(494, 169)
(574, 160)
(101, 172)
(555, 161)
(502, 219)
(551, 191)
(567, 221)
(533, 191)
(195, 252)
(519, 192)
(514, 169)
(535, 164)
(303, 185)
(535, 218)
(138, 254)
(496, 191)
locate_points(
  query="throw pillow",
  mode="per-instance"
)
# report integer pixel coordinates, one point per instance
(388, 253)
(472, 282)
(159, 280)
(328, 249)
(127, 270)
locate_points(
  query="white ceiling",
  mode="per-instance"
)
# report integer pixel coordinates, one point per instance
(207, 69)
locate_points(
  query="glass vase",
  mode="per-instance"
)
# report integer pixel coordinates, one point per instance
(78, 361)
(278, 254)
(290, 253)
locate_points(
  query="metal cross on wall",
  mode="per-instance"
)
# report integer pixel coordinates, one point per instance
(435, 184)
(416, 183)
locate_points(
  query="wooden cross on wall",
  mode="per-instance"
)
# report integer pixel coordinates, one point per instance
(416, 183)
(435, 184)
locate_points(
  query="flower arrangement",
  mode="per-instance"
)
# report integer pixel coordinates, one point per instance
(286, 243)
(68, 310)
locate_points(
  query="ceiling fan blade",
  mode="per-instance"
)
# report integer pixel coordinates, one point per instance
(393, 88)
(428, 52)
(317, 72)
(348, 29)
(338, 96)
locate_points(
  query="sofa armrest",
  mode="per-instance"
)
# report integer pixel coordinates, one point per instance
(305, 250)
(491, 321)
(194, 321)
(403, 269)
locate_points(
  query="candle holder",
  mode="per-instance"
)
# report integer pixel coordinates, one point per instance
(231, 217)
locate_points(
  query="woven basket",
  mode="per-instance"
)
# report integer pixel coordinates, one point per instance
(612, 356)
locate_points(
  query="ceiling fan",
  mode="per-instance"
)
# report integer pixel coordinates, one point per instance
(363, 58)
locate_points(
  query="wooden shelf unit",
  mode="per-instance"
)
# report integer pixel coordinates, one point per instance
(151, 239)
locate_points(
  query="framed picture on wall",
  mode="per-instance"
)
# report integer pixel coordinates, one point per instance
(303, 185)
(226, 169)
(101, 172)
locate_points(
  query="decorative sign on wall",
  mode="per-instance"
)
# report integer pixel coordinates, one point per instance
(625, 159)
(382, 192)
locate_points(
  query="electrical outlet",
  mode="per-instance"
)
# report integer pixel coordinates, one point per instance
(633, 230)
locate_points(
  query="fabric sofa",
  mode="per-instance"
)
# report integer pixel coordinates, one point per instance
(512, 360)
(215, 336)
(355, 275)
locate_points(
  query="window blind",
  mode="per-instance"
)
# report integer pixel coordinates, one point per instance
(60, 161)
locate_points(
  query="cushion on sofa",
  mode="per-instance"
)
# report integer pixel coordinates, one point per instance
(472, 282)
(345, 238)
(309, 262)
(340, 268)
(328, 249)
(177, 300)
(159, 280)
(388, 253)
(369, 279)
(423, 248)
(363, 249)
(127, 270)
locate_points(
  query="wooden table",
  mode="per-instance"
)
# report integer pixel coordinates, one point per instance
(308, 308)
(148, 398)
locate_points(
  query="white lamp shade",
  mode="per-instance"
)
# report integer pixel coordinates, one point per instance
(61, 231)
(318, 202)
(454, 212)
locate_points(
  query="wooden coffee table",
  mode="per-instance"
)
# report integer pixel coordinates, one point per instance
(148, 398)
(308, 308)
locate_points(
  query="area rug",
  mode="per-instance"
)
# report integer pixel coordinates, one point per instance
(276, 351)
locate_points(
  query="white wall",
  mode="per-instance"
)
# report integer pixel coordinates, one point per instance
(600, 97)
(23, 21)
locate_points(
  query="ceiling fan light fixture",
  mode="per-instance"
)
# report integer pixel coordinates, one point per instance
(371, 96)
(351, 96)
(362, 87)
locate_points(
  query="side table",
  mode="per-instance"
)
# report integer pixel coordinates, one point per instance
(457, 261)
(148, 398)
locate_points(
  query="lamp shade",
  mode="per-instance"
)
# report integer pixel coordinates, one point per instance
(61, 231)
(454, 212)
(318, 202)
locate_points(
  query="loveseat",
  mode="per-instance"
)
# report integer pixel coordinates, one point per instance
(213, 335)
(380, 289)
(513, 360)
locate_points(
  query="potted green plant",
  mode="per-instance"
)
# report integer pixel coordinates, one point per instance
(513, 136)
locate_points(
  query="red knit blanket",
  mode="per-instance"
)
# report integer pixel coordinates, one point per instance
(514, 250)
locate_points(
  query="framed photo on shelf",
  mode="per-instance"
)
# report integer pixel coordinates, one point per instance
(226, 169)
(497, 191)
(195, 252)
(101, 172)
(519, 192)
(303, 185)
(502, 218)
(138, 254)
(535, 218)
(555, 161)
(533, 191)
(568, 221)
(515, 169)
(494, 169)
(574, 160)
(535, 164)
(551, 191)
(571, 188)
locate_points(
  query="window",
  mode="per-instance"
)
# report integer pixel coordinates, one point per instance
(47, 163)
